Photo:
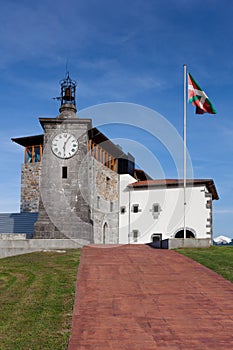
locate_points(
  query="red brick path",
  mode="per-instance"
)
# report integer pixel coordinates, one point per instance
(138, 298)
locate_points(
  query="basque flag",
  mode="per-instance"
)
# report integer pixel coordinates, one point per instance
(198, 97)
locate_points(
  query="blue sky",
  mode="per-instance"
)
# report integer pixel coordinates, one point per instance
(121, 51)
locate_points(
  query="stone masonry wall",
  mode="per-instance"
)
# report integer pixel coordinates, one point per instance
(104, 203)
(30, 187)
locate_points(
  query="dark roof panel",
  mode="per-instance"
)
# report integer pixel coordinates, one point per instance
(29, 140)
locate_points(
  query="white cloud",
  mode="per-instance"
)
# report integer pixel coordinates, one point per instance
(223, 211)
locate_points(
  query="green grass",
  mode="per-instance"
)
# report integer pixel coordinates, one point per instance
(217, 258)
(36, 300)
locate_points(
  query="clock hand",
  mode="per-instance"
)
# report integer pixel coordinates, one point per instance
(65, 143)
(64, 149)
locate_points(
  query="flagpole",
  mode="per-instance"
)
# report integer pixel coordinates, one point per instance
(185, 117)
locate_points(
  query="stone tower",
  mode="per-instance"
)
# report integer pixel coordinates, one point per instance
(64, 209)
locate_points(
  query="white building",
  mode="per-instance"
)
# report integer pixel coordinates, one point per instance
(154, 209)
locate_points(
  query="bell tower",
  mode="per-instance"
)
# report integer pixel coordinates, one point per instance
(67, 97)
(64, 210)
(68, 91)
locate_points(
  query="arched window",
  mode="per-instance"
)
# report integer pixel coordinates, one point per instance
(180, 234)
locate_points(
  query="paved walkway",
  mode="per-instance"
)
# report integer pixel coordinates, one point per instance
(137, 298)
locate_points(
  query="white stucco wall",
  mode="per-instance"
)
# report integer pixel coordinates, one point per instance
(124, 202)
(169, 220)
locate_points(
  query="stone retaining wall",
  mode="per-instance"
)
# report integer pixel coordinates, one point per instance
(13, 247)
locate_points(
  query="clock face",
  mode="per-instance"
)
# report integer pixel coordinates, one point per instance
(64, 145)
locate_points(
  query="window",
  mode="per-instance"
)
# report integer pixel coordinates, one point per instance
(107, 181)
(111, 206)
(64, 172)
(98, 202)
(123, 210)
(37, 154)
(135, 208)
(156, 209)
(180, 234)
(135, 235)
(33, 154)
(28, 155)
(102, 156)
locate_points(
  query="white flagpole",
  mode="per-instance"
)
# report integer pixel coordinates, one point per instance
(185, 115)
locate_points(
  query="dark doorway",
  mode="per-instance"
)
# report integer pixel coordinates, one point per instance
(156, 240)
(105, 230)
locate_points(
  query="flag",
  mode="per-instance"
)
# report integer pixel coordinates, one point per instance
(198, 97)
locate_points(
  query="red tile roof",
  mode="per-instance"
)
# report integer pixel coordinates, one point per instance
(209, 183)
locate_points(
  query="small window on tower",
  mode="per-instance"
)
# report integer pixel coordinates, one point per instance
(29, 155)
(98, 202)
(33, 154)
(37, 154)
(111, 206)
(107, 182)
(64, 172)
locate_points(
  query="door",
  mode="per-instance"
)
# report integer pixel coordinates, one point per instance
(157, 240)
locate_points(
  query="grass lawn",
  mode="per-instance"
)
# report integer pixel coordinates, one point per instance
(36, 300)
(217, 258)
